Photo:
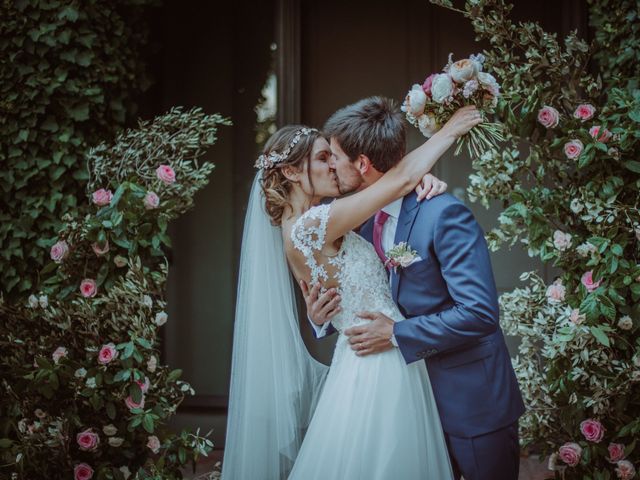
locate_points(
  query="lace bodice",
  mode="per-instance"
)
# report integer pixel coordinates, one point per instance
(362, 280)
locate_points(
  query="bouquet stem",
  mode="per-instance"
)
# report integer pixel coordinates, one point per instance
(483, 137)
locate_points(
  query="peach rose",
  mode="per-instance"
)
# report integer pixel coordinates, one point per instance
(573, 149)
(59, 251)
(616, 452)
(556, 292)
(166, 174)
(107, 353)
(153, 443)
(131, 404)
(592, 430)
(584, 111)
(587, 281)
(88, 288)
(625, 470)
(151, 200)
(548, 116)
(88, 441)
(100, 251)
(600, 134)
(82, 471)
(463, 70)
(102, 197)
(570, 453)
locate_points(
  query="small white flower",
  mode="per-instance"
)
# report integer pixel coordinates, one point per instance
(147, 301)
(553, 461)
(153, 443)
(59, 353)
(43, 300)
(586, 249)
(152, 363)
(125, 472)
(470, 88)
(576, 206)
(625, 323)
(161, 318)
(561, 240)
(116, 441)
(635, 376)
(91, 382)
(33, 301)
(80, 373)
(109, 430)
(427, 125)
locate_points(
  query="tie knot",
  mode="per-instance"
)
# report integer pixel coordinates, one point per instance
(380, 217)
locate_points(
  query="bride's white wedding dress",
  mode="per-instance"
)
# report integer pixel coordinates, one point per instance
(376, 417)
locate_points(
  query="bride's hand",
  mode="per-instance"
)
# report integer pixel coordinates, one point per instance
(430, 187)
(462, 121)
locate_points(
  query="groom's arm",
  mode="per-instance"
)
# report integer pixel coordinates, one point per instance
(466, 268)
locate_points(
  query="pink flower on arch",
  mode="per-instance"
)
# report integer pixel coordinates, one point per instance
(88, 440)
(625, 470)
(592, 430)
(616, 452)
(88, 288)
(107, 353)
(570, 453)
(151, 200)
(166, 174)
(587, 281)
(600, 134)
(131, 404)
(584, 112)
(100, 251)
(102, 197)
(59, 251)
(573, 149)
(548, 116)
(82, 471)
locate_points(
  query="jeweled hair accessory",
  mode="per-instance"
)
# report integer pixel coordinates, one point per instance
(271, 160)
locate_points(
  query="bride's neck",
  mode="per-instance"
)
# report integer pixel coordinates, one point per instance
(299, 202)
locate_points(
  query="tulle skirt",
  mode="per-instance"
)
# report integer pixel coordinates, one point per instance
(376, 419)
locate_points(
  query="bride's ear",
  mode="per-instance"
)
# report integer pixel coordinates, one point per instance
(291, 173)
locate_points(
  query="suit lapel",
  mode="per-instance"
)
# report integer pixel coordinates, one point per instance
(406, 220)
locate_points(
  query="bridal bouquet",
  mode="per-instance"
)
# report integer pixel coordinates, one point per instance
(430, 105)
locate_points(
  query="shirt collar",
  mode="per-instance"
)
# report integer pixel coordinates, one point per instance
(393, 209)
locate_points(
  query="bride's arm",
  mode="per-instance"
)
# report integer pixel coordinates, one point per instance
(350, 212)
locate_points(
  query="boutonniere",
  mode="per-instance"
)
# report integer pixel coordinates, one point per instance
(401, 255)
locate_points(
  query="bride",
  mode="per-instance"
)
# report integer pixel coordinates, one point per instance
(370, 417)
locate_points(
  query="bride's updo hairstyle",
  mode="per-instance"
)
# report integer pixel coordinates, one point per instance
(292, 146)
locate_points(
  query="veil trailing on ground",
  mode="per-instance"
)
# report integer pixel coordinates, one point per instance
(275, 383)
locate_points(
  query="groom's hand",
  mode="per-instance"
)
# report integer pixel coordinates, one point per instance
(320, 308)
(372, 338)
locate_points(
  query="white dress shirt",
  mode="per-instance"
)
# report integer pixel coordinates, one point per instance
(386, 241)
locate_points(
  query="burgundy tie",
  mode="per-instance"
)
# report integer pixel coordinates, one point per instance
(378, 222)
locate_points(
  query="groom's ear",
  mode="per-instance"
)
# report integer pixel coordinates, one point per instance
(363, 164)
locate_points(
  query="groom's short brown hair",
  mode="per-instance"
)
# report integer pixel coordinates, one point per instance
(374, 127)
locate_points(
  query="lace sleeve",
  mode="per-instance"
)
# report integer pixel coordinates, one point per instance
(308, 236)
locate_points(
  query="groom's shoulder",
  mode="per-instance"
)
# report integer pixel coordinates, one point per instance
(441, 202)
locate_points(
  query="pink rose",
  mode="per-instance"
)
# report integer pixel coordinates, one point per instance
(426, 86)
(153, 443)
(548, 117)
(59, 251)
(102, 197)
(573, 149)
(556, 292)
(131, 404)
(584, 111)
(82, 471)
(151, 201)
(107, 353)
(88, 440)
(166, 174)
(625, 470)
(59, 353)
(570, 453)
(100, 251)
(576, 317)
(144, 385)
(587, 281)
(601, 136)
(88, 288)
(616, 452)
(592, 430)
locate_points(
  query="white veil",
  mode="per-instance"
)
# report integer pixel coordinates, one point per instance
(275, 383)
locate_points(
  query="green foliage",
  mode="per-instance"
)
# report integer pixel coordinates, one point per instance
(580, 353)
(55, 385)
(68, 79)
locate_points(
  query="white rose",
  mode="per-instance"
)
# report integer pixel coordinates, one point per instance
(561, 240)
(161, 318)
(116, 441)
(625, 323)
(416, 100)
(585, 249)
(427, 125)
(441, 88)
(91, 382)
(110, 430)
(463, 70)
(43, 300)
(33, 301)
(146, 301)
(576, 206)
(80, 373)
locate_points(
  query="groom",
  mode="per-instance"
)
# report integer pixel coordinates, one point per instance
(448, 298)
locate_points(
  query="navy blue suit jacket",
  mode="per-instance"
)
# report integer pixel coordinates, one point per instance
(450, 303)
